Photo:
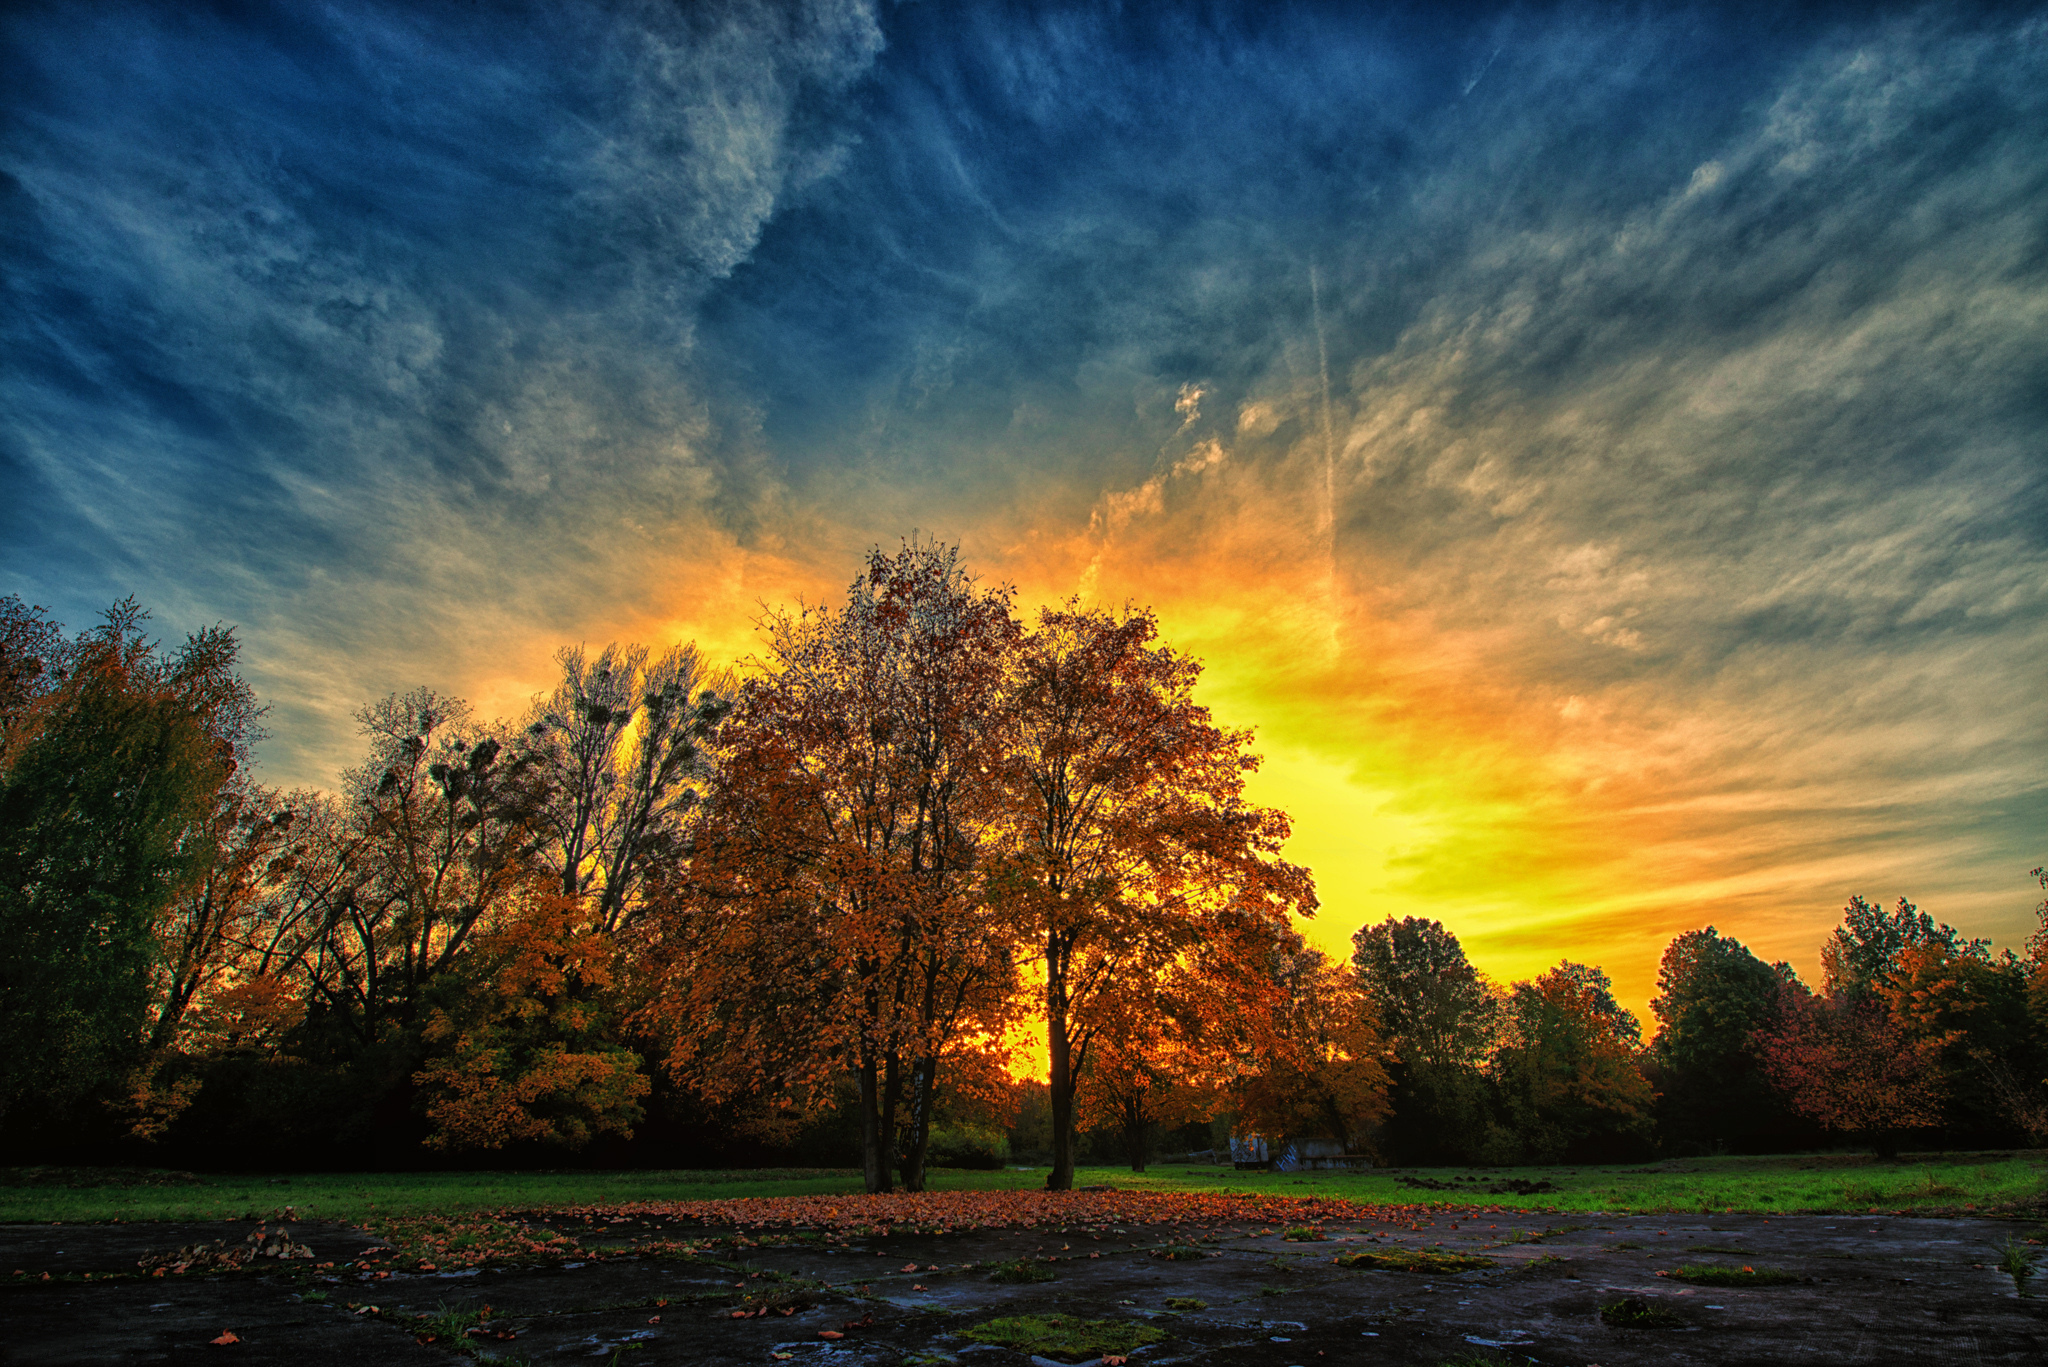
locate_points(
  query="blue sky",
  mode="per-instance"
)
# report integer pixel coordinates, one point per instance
(1601, 449)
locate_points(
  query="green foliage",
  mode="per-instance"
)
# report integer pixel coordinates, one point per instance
(968, 1146)
(1064, 1336)
(1441, 1019)
(1712, 996)
(1866, 947)
(106, 772)
(2016, 1259)
(1568, 1079)
(1186, 1303)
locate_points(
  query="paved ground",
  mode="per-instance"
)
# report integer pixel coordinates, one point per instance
(1881, 1290)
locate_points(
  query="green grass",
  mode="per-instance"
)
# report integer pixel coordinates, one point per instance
(1064, 1335)
(1021, 1271)
(1714, 1274)
(1637, 1313)
(1788, 1184)
(1414, 1260)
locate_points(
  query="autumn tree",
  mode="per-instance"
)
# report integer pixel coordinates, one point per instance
(1440, 1017)
(1972, 1009)
(1848, 1065)
(1568, 1073)
(517, 1035)
(1866, 947)
(1128, 834)
(847, 923)
(110, 764)
(1317, 1069)
(1713, 995)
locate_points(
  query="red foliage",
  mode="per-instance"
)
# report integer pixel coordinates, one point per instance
(1852, 1066)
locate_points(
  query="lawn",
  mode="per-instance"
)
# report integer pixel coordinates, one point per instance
(1986, 1183)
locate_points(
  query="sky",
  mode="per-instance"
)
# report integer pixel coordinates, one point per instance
(1601, 451)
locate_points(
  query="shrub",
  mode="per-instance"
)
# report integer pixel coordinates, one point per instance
(968, 1146)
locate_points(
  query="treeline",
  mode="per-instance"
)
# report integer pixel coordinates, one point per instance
(1916, 1034)
(677, 914)
(718, 911)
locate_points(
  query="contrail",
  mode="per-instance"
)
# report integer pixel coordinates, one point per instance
(1315, 297)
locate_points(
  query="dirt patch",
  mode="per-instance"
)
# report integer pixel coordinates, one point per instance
(1236, 1291)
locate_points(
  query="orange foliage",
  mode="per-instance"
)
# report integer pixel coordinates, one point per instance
(521, 1064)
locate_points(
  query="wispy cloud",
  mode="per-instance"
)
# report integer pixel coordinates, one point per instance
(1603, 455)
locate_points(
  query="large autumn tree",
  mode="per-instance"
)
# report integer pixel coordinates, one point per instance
(843, 921)
(1128, 833)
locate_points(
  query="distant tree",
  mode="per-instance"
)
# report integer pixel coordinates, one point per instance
(1318, 1067)
(1972, 1009)
(1866, 947)
(1849, 1066)
(1440, 1018)
(1713, 995)
(1128, 834)
(1568, 1074)
(109, 768)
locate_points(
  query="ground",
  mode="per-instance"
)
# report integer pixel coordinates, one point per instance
(840, 1280)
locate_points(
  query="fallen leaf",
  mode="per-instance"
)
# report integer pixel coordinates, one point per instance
(908, 1267)
(830, 1334)
(227, 1336)
(654, 1319)
(915, 1287)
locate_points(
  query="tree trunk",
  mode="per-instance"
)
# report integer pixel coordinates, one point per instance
(1135, 1135)
(1060, 1084)
(874, 1159)
(923, 1078)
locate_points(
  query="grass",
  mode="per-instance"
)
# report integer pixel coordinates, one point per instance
(1021, 1271)
(1987, 1182)
(1413, 1260)
(1715, 1274)
(1636, 1313)
(1064, 1335)
(1186, 1303)
(2016, 1260)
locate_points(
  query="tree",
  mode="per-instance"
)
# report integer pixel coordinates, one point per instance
(1440, 1018)
(1568, 1074)
(518, 1048)
(1128, 834)
(846, 921)
(617, 748)
(1866, 947)
(1848, 1065)
(1317, 1067)
(110, 765)
(1713, 995)
(1972, 1009)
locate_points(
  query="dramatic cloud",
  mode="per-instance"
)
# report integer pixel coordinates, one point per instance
(1602, 455)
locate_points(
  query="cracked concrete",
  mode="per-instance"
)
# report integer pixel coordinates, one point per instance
(1872, 1290)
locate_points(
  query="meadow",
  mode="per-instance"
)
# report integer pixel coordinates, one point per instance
(1982, 1183)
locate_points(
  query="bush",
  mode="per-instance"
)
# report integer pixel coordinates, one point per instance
(968, 1146)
